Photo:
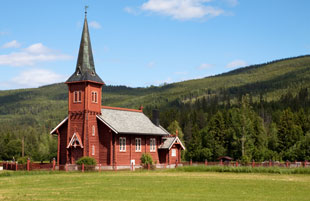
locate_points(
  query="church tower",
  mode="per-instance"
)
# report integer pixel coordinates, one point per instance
(84, 103)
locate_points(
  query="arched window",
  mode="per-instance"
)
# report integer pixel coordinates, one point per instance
(93, 130)
(94, 97)
(93, 150)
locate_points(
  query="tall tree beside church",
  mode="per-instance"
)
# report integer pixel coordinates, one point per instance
(175, 127)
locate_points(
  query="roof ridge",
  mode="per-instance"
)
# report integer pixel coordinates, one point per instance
(122, 109)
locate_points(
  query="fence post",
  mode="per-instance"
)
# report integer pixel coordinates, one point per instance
(206, 162)
(16, 166)
(237, 164)
(28, 164)
(82, 167)
(221, 162)
(253, 164)
(305, 164)
(286, 163)
(54, 164)
(270, 163)
(191, 162)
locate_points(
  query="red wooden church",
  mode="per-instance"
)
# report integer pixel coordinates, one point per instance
(113, 136)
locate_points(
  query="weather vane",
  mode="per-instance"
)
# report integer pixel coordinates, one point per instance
(86, 10)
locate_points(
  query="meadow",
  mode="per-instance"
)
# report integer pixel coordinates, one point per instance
(153, 185)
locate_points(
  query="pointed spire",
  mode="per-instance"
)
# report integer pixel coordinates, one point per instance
(85, 67)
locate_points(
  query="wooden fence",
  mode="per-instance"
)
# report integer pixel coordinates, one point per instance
(70, 167)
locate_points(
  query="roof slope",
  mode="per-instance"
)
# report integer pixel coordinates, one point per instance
(85, 67)
(169, 141)
(130, 122)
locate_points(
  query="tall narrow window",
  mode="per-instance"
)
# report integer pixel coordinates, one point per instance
(93, 130)
(93, 150)
(152, 145)
(174, 152)
(138, 144)
(122, 144)
(94, 97)
(77, 96)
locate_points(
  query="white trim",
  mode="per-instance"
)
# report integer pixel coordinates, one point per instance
(73, 138)
(178, 141)
(63, 121)
(103, 121)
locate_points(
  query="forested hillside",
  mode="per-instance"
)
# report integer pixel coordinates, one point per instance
(258, 112)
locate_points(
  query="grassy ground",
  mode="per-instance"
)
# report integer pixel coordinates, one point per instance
(154, 185)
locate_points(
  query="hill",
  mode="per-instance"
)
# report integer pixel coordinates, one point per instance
(36, 111)
(271, 80)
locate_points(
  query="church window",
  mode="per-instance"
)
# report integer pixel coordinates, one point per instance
(93, 150)
(152, 145)
(94, 97)
(77, 96)
(174, 152)
(122, 144)
(138, 144)
(93, 130)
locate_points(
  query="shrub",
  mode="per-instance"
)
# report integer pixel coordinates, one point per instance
(86, 161)
(146, 159)
(23, 160)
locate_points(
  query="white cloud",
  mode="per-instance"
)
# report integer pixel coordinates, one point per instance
(36, 77)
(205, 66)
(31, 55)
(236, 64)
(12, 44)
(182, 9)
(95, 25)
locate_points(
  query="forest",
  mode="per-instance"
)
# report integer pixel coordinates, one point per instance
(259, 113)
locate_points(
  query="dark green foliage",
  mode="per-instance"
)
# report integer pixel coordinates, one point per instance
(86, 161)
(23, 160)
(146, 159)
(260, 112)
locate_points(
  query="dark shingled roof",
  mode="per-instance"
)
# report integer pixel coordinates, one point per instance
(85, 67)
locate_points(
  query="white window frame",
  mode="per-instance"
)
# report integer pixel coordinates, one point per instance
(122, 144)
(77, 96)
(173, 152)
(94, 97)
(93, 150)
(138, 144)
(152, 144)
(93, 131)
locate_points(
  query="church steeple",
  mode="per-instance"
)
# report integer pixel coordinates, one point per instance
(85, 67)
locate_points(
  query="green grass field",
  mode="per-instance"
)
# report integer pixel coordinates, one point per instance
(154, 185)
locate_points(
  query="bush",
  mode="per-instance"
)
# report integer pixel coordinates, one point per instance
(146, 159)
(23, 160)
(86, 161)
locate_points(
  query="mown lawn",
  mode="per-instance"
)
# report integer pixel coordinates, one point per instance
(155, 185)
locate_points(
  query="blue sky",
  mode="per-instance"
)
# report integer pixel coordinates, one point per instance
(140, 43)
